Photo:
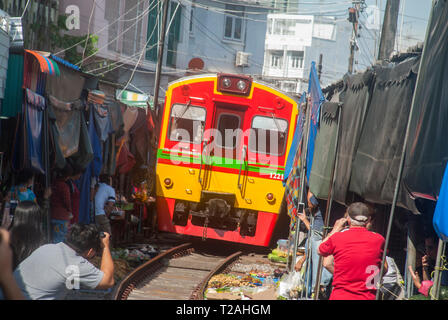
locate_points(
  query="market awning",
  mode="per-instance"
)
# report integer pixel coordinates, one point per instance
(133, 99)
(46, 65)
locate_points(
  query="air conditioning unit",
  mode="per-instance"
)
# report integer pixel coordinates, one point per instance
(242, 59)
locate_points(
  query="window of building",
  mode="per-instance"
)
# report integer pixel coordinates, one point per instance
(187, 123)
(174, 34)
(276, 59)
(296, 59)
(132, 28)
(233, 28)
(268, 135)
(284, 27)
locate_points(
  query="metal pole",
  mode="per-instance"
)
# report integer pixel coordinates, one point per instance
(47, 168)
(302, 180)
(329, 204)
(403, 154)
(308, 258)
(437, 273)
(161, 47)
(411, 257)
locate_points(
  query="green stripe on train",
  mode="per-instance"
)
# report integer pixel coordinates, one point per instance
(217, 162)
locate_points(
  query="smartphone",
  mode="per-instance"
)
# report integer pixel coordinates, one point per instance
(301, 207)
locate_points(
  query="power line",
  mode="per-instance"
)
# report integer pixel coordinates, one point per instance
(88, 31)
(102, 29)
(120, 34)
(144, 48)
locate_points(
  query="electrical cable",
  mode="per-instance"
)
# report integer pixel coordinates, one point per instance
(102, 29)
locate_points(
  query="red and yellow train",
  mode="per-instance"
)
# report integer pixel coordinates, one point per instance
(223, 144)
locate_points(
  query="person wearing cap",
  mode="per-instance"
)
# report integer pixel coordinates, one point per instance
(316, 229)
(357, 255)
(104, 203)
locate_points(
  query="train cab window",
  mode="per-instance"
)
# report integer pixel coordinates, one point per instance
(228, 125)
(268, 135)
(187, 123)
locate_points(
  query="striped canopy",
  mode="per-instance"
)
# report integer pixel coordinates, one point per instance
(46, 65)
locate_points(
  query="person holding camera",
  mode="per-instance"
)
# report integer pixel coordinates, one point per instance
(53, 269)
(357, 255)
(316, 229)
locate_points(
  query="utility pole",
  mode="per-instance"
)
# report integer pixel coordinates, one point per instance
(319, 67)
(353, 15)
(160, 48)
(389, 30)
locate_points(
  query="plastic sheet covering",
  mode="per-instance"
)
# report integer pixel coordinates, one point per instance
(68, 121)
(12, 102)
(427, 148)
(440, 219)
(316, 99)
(325, 149)
(356, 96)
(296, 139)
(377, 158)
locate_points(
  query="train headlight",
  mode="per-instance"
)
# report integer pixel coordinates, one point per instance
(241, 85)
(226, 82)
(270, 197)
(168, 183)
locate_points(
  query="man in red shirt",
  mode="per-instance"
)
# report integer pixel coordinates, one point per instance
(357, 255)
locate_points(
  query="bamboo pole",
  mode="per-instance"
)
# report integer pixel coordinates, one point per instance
(302, 179)
(437, 273)
(329, 204)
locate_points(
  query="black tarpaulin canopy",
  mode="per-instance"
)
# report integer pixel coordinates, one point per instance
(377, 157)
(427, 147)
(355, 97)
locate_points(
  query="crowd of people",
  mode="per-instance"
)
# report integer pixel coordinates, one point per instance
(352, 254)
(34, 266)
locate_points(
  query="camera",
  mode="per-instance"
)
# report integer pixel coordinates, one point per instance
(102, 235)
(300, 208)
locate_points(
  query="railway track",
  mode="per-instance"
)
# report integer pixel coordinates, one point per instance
(180, 273)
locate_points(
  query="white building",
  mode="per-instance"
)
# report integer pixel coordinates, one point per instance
(294, 41)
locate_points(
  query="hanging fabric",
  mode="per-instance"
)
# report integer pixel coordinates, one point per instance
(85, 152)
(356, 99)
(68, 121)
(296, 139)
(377, 157)
(427, 148)
(34, 115)
(325, 149)
(316, 98)
(27, 152)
